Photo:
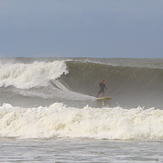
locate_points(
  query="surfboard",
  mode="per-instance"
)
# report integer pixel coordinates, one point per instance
(104, 98)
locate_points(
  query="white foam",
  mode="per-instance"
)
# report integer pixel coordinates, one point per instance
(26, 76)
(99, 123)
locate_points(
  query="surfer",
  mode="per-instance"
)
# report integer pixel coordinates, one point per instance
(102, 88)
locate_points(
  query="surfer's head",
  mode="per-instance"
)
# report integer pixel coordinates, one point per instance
(102, 81)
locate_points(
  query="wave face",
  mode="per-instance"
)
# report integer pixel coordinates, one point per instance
(56, 97)
(133, 84)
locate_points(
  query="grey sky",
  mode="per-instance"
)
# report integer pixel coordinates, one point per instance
(81, 28)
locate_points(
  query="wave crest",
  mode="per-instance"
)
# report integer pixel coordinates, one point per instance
(30, 75)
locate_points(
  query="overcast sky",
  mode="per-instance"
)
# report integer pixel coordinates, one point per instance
(81, 28)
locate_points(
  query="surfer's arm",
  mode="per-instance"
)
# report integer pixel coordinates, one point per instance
(105, 87)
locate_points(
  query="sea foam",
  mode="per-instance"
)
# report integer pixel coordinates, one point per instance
(59, 120)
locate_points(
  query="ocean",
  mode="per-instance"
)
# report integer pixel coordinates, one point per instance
(49, 111)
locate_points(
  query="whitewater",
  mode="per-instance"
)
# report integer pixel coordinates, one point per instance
(48, 106)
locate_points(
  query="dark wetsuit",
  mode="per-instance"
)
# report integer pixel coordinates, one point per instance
(102, 88)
